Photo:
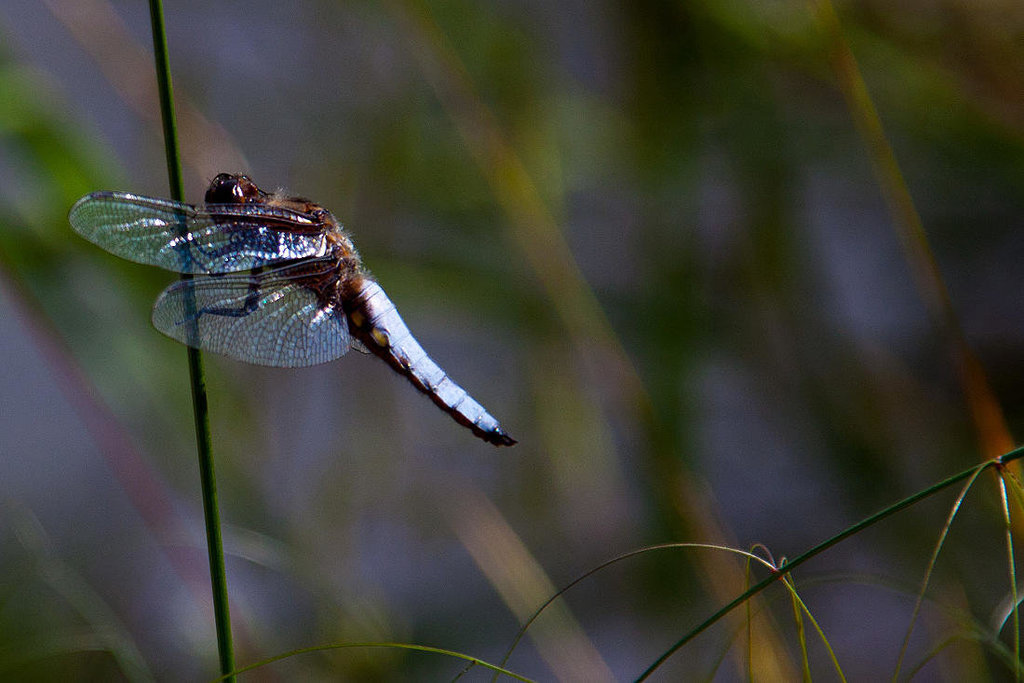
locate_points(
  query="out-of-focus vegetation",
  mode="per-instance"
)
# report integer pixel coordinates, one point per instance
(650, 237)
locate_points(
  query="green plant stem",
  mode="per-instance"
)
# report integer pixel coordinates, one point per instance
(822, 547)
(211, 514)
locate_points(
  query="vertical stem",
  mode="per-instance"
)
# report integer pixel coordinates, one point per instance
(1015, 610)
(211, 514)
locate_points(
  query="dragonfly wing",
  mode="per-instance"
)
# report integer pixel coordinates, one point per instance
(185, 239)
(266, 319)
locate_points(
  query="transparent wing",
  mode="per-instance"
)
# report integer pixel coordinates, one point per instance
(219, 238)
(267, 318)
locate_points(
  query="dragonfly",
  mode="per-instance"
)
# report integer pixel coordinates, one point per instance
(277, 282)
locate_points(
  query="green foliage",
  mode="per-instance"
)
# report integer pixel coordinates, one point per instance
(758, 366)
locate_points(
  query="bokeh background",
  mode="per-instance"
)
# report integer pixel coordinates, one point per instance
(661, 241)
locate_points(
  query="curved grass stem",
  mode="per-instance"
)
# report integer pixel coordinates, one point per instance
(822, 547)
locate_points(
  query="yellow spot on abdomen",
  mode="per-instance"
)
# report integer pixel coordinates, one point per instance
(357, 318)
(380, 337)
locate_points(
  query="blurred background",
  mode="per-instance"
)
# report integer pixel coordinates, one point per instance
(663, 243)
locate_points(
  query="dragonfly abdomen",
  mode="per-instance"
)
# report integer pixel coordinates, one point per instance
(377, 324)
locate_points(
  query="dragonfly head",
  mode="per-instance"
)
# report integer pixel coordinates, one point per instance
(229, 188)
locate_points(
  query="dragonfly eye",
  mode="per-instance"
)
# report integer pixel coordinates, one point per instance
(227, 188)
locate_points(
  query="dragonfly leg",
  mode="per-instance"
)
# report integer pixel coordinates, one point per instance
(249, 306)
